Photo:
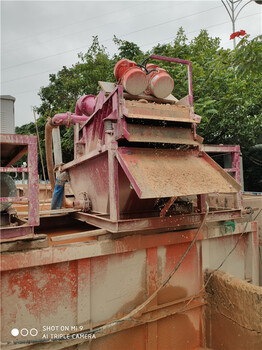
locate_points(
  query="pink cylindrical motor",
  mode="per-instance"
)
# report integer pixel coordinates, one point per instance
(121, 67)
(134, 81)
(85, 105)
(132, 78)
(160, 83)
(152, 69)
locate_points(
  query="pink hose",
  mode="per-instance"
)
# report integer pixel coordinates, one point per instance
(68, 119)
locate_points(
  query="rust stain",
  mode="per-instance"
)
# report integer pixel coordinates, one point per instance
(129, 306)
(130, 339)
(177, 332)
(41, 289)
(175, 252)
(171, 293)
(64, 231)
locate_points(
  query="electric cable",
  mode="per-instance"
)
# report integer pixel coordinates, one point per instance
(169, 38)
(133, 32)
(100, 26)
(31, 75)
(41, 157)
(140, 307)
(184, 308)
(66, 26)
(238, 240)
(197, 30)
(130, 315)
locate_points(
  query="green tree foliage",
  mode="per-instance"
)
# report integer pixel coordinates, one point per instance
(30, 129)
(70, 83)
(127, 50)
(227, 88)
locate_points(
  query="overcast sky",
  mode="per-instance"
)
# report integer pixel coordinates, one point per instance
(39, 37)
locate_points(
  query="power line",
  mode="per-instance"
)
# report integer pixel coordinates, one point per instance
(30, 76)
(23, 92)
(133, 32)
(193, 31)
(172, 20)
(68, 25)
(169, 38)
(84, 30)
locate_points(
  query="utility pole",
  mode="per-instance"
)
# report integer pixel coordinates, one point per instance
(234, 8)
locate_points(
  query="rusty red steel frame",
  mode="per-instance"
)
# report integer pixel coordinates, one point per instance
(13, 147)
(88, 284)
(234, 152)
(117, 167)
(189, 72)
(72, 287)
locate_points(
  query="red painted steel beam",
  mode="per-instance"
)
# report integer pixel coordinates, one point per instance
(31, 143)
(177, 221)
(16, 139)
(189, 65)
(221, 148)
(33, 210)
(230, 170)
(7, 233)
(69, 252)
(13, 170)
(13, 199)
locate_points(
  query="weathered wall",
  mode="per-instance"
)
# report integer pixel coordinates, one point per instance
(255, 201)
(87, 284)
(102, 285)
(234, 313)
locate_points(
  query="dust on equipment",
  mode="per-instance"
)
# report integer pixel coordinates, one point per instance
(138, 161)
(141, 181)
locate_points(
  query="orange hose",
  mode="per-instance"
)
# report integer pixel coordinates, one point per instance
(49, 153)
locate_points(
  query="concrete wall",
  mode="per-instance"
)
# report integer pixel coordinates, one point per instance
(234, 313)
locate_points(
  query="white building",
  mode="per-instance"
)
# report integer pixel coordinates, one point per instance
(7, 114)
